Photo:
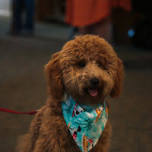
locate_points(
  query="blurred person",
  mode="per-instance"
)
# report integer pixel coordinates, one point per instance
(93, 16)
(23, 17)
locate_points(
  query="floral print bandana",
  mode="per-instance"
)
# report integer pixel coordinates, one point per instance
(86, 123)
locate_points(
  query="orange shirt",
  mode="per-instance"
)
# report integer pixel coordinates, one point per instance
(86, 12)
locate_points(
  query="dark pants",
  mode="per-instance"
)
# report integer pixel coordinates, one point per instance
(22, 21)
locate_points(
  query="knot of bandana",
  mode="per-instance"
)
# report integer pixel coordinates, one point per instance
(85, 123)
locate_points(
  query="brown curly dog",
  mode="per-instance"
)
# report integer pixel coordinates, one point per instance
(85, 63)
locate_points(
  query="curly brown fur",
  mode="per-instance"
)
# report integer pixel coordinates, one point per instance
(70, 71)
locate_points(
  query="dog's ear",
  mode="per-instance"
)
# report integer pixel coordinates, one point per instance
(54, 77)
(118, 79)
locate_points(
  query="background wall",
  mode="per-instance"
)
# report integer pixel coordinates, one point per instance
(4, 8)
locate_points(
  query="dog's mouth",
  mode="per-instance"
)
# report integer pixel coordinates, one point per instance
(93, 92)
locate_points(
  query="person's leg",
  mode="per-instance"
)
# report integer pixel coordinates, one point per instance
(12, 22)
(73, 32)
(104, 28)
(17, 15)
(29, 19)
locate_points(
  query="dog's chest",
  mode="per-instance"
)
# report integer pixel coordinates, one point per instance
(85, 123)
(74, 148)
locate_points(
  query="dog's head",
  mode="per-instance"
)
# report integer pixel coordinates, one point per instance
(87, 68)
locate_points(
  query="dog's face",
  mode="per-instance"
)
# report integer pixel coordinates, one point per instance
(87, 69)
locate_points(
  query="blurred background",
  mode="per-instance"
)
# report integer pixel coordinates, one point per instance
(30, 31)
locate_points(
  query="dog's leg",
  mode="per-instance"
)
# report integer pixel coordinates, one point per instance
(26, 143)
(104, 141)
(54, 135)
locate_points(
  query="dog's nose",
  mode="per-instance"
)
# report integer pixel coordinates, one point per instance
(94, 81)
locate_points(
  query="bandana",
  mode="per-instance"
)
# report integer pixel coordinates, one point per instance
(85, 123)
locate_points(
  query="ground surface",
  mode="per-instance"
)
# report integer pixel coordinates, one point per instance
(23, 88)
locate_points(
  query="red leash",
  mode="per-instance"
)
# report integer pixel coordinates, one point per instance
(16, 112)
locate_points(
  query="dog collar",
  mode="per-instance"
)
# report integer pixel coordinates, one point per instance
(85, 123)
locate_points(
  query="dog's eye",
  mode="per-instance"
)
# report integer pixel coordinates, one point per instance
(101, 65)
(81, 63)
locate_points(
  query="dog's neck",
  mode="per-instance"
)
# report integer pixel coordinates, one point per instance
(78, 100)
